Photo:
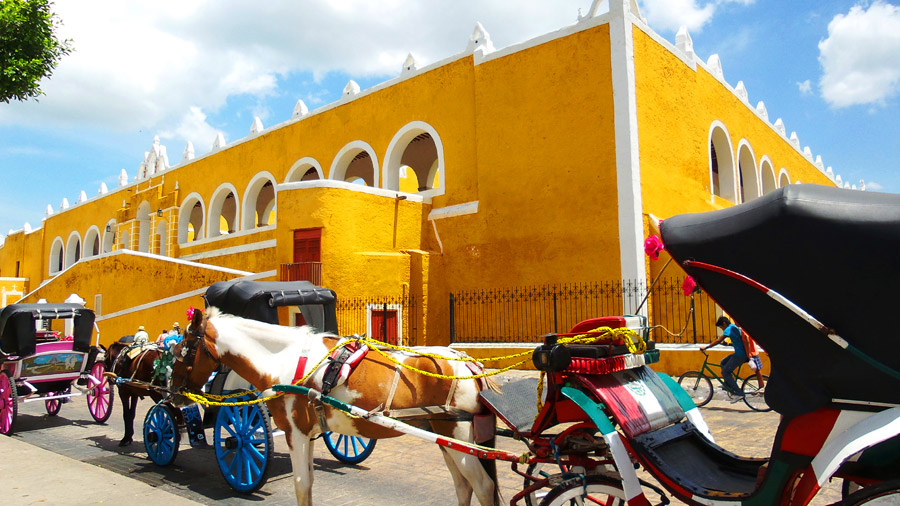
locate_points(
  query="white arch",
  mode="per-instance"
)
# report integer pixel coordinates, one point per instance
(217, 205)
(73, 249)
(767, 175)
(187, 216)
(398, 145)
(301, 167)
(143, 219)
(251, 200)
(92, 238)
(162, 233)
(342, 161)
(784, 178)
(56, 255)
(748, 182)
(109, 236)
(720, 141)
(126, 239)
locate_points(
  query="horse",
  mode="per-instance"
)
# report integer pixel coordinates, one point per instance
(138, 368)
(266, 355)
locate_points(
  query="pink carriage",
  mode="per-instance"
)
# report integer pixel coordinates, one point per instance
(46, 355)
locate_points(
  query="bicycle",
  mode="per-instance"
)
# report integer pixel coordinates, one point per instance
(700, 387)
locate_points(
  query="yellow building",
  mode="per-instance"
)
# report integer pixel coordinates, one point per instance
(535, 164)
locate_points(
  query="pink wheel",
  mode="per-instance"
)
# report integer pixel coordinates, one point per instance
(53, 405)
(9, 403)
(100, 398)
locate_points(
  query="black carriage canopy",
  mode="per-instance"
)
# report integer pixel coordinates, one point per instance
(833, 252)
(260, 300)
(17, 326)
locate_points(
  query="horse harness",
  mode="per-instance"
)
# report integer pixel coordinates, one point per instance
(343, 361)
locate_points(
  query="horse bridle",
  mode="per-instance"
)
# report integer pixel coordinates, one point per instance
(189, 350)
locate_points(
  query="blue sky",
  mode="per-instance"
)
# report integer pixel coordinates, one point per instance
(187, 69)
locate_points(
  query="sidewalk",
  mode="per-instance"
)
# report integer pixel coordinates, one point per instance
(31, 475)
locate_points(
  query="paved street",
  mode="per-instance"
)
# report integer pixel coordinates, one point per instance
(402, 471)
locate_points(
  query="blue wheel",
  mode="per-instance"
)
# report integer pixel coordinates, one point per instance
(161, 435)
(243, 441)
(348, 449)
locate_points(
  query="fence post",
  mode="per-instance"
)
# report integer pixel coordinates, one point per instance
(452, 319)
(694, 316)
(555, 320)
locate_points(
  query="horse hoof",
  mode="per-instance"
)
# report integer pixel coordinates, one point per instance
(125, 442)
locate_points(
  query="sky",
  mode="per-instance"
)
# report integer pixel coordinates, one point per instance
(186, 70)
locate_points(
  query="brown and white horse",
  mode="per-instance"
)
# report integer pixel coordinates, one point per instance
(266, 355)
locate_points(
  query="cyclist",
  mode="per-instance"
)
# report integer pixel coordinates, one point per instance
(733, 361)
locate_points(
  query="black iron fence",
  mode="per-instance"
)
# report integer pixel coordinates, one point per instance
(523, 314)
(393, 319)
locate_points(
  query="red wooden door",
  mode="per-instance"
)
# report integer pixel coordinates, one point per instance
(384, 325)
(307, 245)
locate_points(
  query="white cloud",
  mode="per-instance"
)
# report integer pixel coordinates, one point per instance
(805, 87)
(672, 14)
(873, 186)
(861, 56)
(192, 127)
(139, 65)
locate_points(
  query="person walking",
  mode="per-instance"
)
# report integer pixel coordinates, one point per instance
(733, 361)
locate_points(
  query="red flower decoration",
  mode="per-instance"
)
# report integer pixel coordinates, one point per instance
(653, 245)
(688, 286)
(190, 313)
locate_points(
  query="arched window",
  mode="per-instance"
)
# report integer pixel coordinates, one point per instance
(783, 178)
(143, 219)
(356, 163)
(304, 169)
(56, 256)
(126, 240)
(92, 242)
(259, 202)
(748, 183)
(223, 212)
(415, 160)
(721, 163)
(73, 249)
(190, 219)
(767, 174)
(109, 236)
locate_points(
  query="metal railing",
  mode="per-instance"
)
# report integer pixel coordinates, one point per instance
(392, 319)
(301, 271)
(523, 314)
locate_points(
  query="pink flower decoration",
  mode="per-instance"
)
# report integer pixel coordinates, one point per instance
(688, 286)
(190, 314)
(653, 245)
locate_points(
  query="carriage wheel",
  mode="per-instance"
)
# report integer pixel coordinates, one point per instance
(100, 398)
(161, 435)
(539, 470)
(348, 449)
(53, 405)
(590, 490)
(754, 397)
(884, 493)
(243, 441)
(698, 386)
(9, 403)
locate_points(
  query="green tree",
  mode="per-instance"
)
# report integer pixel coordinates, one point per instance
(29, 49)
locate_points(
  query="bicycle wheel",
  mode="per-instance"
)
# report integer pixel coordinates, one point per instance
(590, 490)
(698, 386)
(754, 396)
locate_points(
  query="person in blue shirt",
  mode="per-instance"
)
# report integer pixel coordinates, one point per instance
(733, 361)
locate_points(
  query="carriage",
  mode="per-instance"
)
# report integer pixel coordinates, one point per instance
(603, 412)
(41, 363)
(242, 432)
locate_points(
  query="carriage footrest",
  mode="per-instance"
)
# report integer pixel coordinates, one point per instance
(194, 424)
(515, 405)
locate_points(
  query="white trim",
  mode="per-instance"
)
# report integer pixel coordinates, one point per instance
(216, 202)
(251, 192)
(586, 24)
(307, 162)
(862, 434)
(240, 233)
(180, 296)
(244, 248)
(628, 165)
(330, 183)
(345, 156)
(394, 153)
(454, 211)
(744, 143)
(184, 219)
(726, 149)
